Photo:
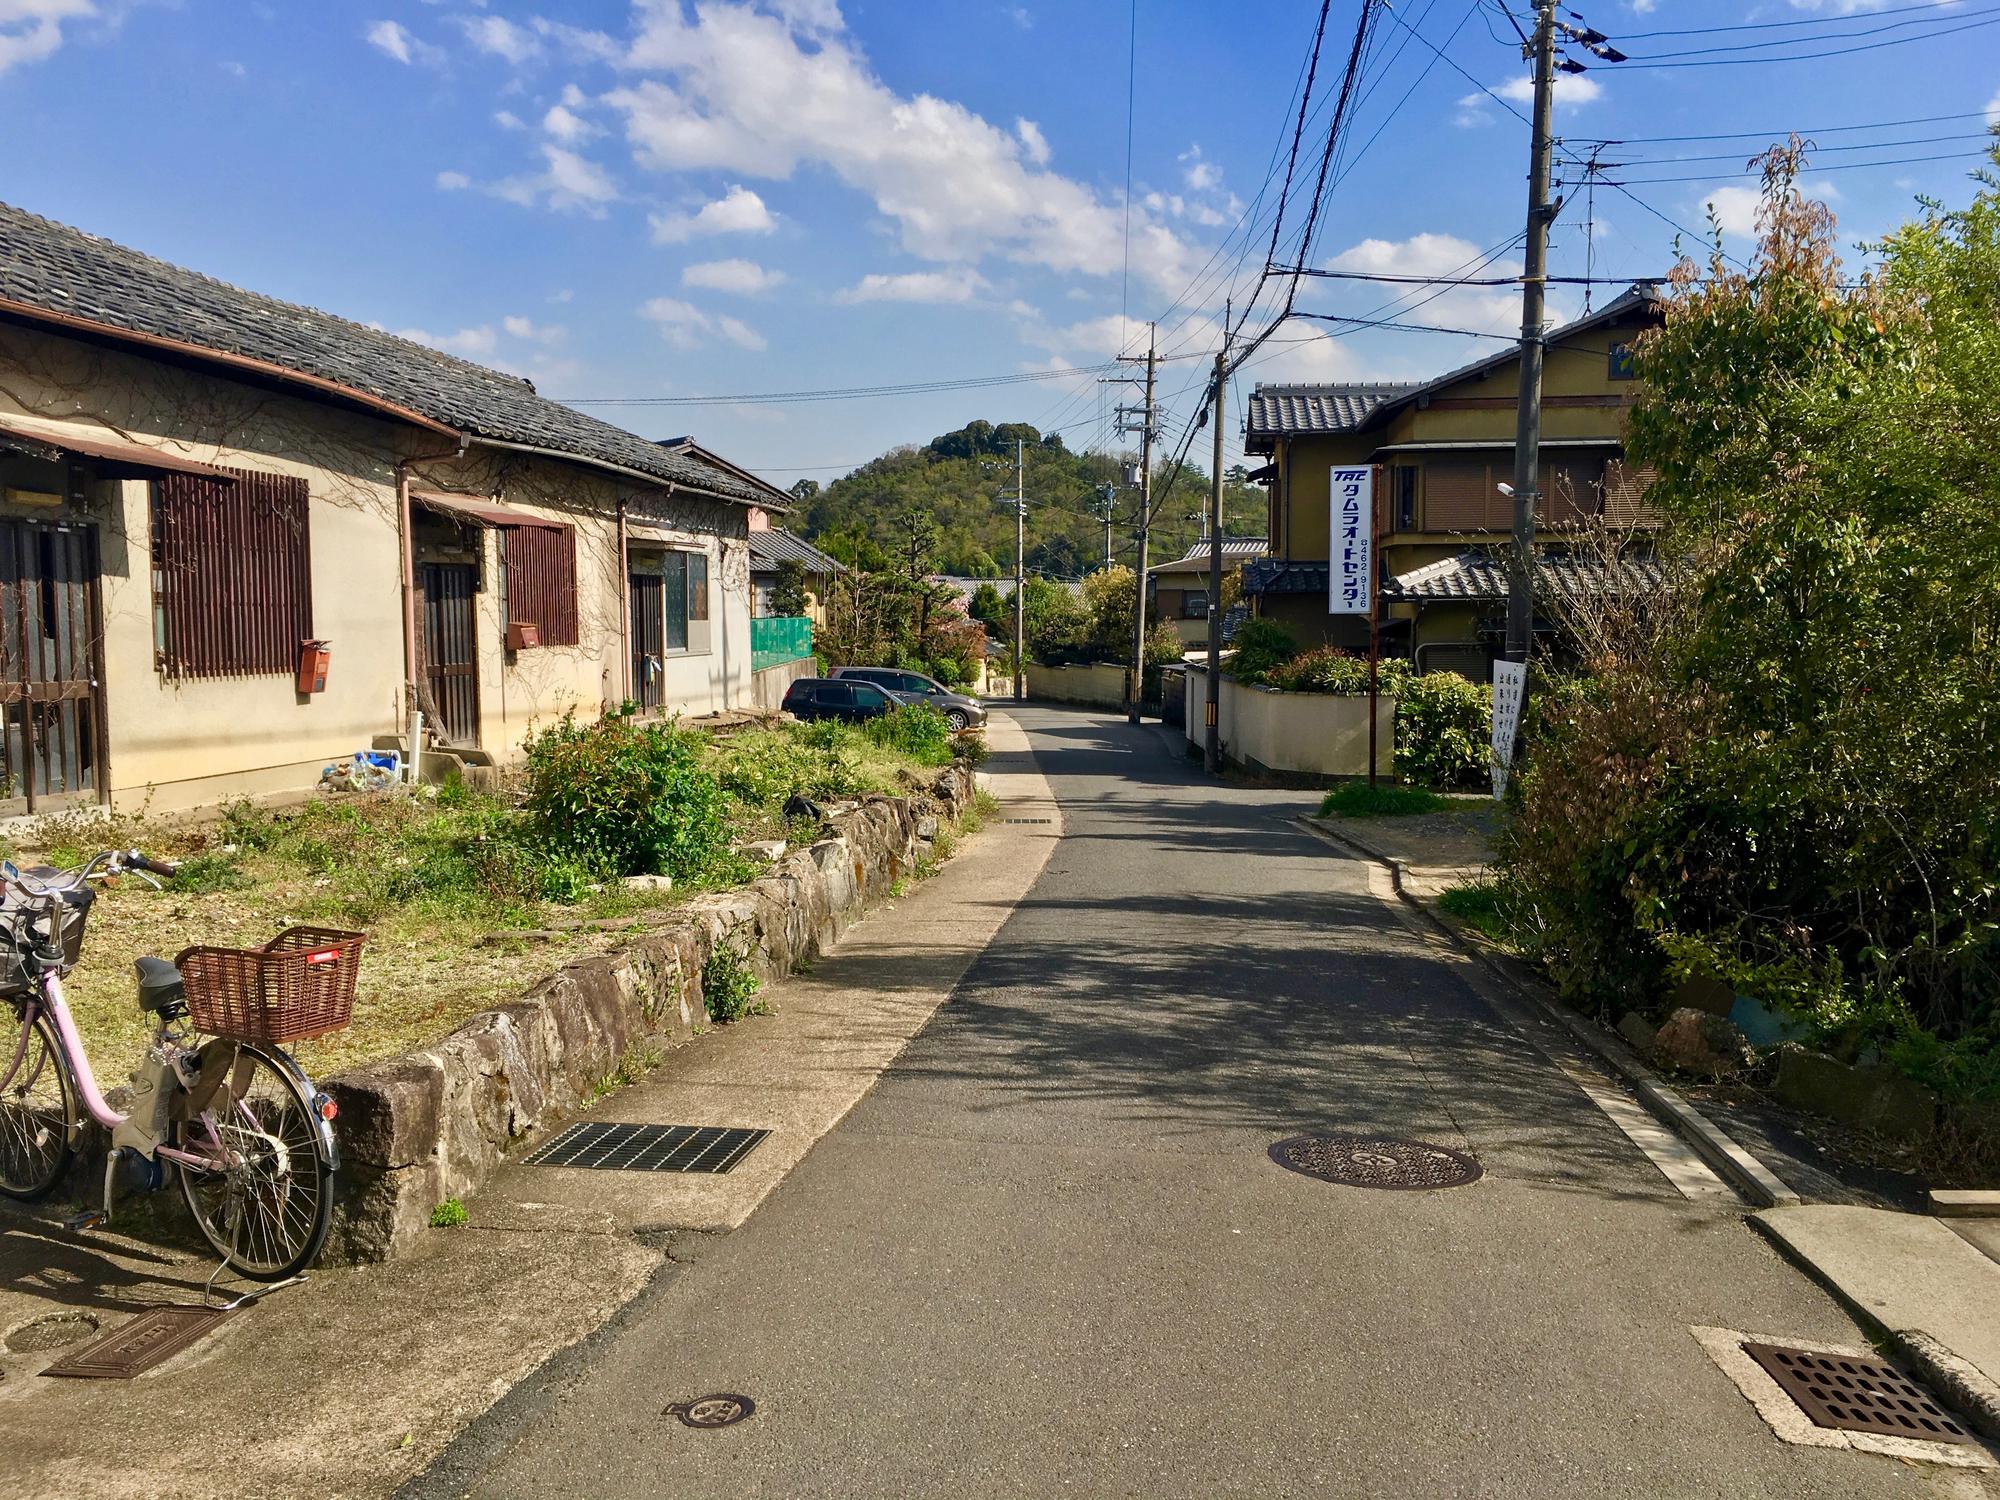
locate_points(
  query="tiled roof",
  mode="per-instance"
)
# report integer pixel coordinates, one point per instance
(1276, 575)
(769, 548)
(1483, 575)
(55, 269)
(1235, 549)
(1285, 410)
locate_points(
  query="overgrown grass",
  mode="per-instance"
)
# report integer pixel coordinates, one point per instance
(1357, 799)
(1477, 904)
(437, 881)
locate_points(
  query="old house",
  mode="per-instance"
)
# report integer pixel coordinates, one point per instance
(240, 538)
(1179, 587)
(1439, 451)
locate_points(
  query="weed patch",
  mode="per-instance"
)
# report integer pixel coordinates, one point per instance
(1357, 799)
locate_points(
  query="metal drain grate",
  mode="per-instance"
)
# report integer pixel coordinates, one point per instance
(1857, 1394)
(1027, 820)
(1375, 1162)
(55, 1331)
(647, 1148)
(134, 1347)
(724, 1409)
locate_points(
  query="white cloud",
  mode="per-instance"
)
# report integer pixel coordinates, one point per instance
(1735, 209)
(576, 43)
(568, 126)
(31, 30)
(1570, 88)
(500, 38)
(1200, 174)
(961, 284)
(744, 277)
(1643, 7)
(1480, 309)
(569, 182)
(564, 295)
(234, 69)
(1021, 16)
(1993, 110)
(393, 39)
(686, 326)
(738, 211)
(532, 332)
(467, 343)
(1033, 141)
(737, 89)
(452, 182)
(506, 119)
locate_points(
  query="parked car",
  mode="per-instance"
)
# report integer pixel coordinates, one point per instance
(959, 711)
(852, 702)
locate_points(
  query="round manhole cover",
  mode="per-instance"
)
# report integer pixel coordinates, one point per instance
(1375, 1161)
(52, 1332)
(721, 1410)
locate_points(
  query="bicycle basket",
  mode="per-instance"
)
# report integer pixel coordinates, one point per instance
(297, 986)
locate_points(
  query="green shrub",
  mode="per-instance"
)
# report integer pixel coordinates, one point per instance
(1357, 799)
(622, 797)
(1260, 646)
(916, 730)
(205, 873)
(727, 986)
(449, 1214)
(768, 767)
(1478, 904)
(1328, 669)
(1444, 730)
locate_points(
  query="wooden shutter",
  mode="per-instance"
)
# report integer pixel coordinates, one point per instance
(541, 581)
(1625, 489)
(232, 574)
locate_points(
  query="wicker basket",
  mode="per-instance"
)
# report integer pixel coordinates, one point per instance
(297, 986)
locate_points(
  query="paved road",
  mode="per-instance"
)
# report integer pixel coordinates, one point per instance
(1048, 1256)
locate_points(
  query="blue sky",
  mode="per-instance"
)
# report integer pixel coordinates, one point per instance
(746, 196)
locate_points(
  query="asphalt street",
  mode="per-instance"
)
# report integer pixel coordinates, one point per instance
(1048, 1254)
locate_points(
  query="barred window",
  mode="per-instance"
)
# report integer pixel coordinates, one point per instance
(232, 574)
(541, 581)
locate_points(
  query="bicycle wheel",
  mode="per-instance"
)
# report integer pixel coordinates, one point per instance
(37, 1106)
(266, 1204)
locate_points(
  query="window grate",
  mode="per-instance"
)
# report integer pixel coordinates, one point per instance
(232, 574)
(541, 581)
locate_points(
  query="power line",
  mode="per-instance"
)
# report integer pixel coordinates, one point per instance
(1131, 100)
(1839, 166)
(1817, 150)
(1642, 61)
(839, 393)
(1734, 135)
(1635, 36)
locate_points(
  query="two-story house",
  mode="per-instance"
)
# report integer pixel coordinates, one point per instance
(1441, 450)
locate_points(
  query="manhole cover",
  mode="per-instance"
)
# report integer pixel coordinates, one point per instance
(1375, 1161)
(1857, 1394)
(721, 1410)
(53, 1332)
(135, 1346)
(647, 1148)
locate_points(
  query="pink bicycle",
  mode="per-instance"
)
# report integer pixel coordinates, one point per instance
(233, 1116)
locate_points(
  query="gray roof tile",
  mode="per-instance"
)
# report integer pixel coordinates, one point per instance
(1284, 410)
(1483, 575)
(57, 269)
(769, 548)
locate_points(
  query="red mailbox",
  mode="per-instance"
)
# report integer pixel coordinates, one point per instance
(523, 635)
(313, 657)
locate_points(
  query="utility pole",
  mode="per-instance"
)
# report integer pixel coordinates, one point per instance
(1110, 509)
(1212, 749)
(1020, 563)
(1528, 425)
(1145, 524)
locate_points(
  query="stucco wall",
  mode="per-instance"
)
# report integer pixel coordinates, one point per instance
(198, 742)
(1096, 685)
(1309, 734)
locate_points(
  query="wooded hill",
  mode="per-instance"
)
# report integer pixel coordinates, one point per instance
(963, 482)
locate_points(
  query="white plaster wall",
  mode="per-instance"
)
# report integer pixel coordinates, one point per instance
(1319, 734)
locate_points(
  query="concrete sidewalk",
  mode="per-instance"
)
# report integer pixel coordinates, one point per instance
(1933, 1287)
(358, 1379)
(1436, 850)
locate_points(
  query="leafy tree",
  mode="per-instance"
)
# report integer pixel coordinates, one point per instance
(806, 489)
(789, 594)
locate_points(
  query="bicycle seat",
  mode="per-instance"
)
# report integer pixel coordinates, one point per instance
(159, 983)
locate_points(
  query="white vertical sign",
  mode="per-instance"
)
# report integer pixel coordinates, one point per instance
(1351, 578)
(1510, 691)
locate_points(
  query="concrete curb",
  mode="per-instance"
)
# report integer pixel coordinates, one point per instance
(1751, 1179)
(1963, 1384)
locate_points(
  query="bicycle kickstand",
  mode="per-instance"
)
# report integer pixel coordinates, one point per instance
(96, 1218)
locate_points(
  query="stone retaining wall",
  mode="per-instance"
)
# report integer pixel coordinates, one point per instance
(434, 1124)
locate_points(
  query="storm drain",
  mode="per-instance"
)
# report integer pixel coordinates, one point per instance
(1027, 820)
(1857, 1394)
(647, 1148)
(724, 1409)
(134, 1347)
(1375, 1162)
(52, 1332)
